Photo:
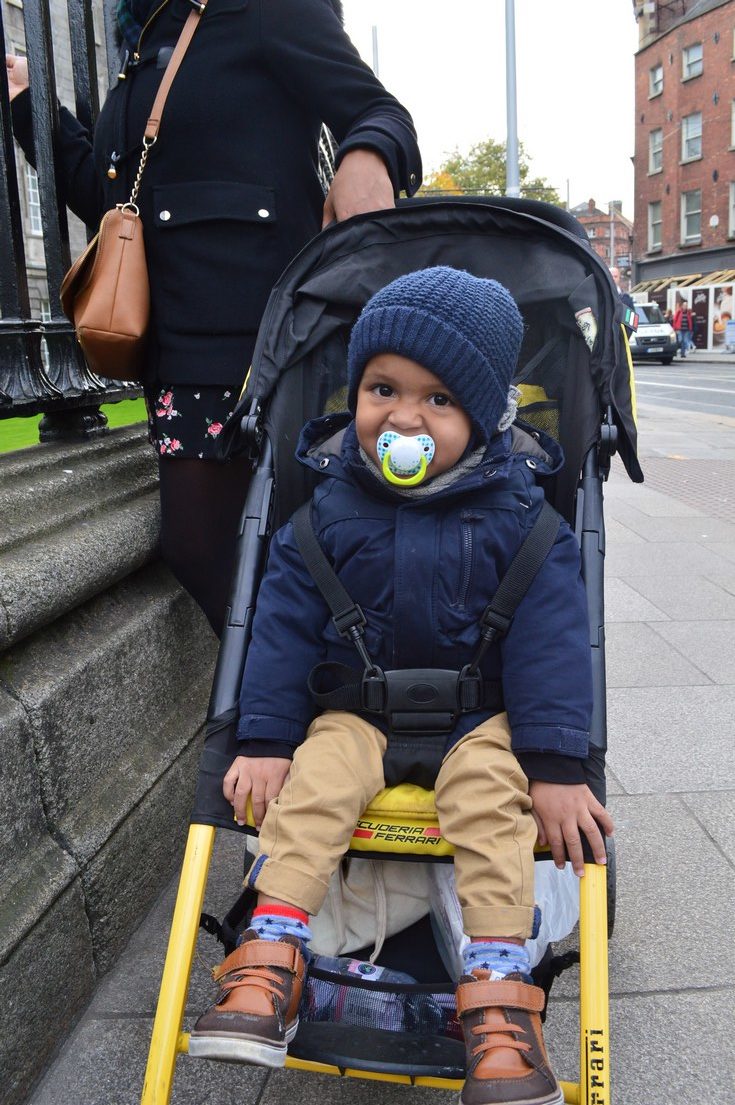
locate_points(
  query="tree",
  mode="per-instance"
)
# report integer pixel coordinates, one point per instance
(481, 172)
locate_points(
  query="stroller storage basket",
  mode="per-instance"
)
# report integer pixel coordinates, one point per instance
(399, 1024)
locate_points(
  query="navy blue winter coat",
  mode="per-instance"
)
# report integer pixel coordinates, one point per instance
(423, 569)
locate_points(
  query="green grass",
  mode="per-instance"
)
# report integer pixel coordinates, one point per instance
(20, 433)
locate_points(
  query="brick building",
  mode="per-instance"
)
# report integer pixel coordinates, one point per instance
(605, 228)
(685, 140)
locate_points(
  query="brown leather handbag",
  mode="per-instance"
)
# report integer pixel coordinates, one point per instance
(106, 292)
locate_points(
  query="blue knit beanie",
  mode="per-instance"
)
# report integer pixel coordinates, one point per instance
(464, 329)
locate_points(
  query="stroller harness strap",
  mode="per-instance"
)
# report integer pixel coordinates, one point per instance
(417, 701)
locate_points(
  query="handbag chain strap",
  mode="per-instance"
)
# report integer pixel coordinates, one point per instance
(154, 119)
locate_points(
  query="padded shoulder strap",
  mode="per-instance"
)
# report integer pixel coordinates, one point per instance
(345, 613)
(523, 570)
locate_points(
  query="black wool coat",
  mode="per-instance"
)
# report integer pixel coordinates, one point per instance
(230, 192)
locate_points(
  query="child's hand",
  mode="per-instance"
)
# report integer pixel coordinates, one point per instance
(561, 810)
(261, 778)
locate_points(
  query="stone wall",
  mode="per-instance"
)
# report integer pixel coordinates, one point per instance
(105, 671)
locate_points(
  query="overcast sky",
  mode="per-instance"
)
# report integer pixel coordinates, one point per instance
(445, 60)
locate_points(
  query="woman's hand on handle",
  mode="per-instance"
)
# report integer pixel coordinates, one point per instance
(360, 184)
(17, 73)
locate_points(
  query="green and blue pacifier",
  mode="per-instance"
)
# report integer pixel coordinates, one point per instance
(404, 460)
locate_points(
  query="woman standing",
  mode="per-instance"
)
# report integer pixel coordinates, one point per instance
(229, 195)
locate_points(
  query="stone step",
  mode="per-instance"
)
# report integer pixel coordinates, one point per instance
(42, 578)
(45, 489)
(77, 517)
(99, 714)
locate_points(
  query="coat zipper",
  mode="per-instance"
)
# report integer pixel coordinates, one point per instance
(466, 561)
(144, 28)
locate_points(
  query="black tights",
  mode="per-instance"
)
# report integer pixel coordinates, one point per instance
(201, 506)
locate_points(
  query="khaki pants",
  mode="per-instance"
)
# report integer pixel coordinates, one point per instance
(481, 799)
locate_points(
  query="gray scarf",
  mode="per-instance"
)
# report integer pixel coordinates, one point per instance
(466, 464)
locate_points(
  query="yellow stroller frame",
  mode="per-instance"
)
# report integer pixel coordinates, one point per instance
(490, 237)
(168, 1041)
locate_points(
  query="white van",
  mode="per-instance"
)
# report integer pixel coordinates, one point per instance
(655, 338)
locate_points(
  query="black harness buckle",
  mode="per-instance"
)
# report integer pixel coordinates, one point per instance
(348, 620)
(416, 699)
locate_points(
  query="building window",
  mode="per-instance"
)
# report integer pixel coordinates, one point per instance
(692, 62)
(691, 137)
(34, 202)
(654, 225)
(691, 216)
(655, 81)
(732, 125)
(591, 231)
(656, 151)
(731, 220)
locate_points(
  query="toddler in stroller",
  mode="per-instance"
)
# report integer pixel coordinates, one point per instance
(428, 497)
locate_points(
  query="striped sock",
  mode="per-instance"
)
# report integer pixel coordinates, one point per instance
(498, 957)
(273, 922)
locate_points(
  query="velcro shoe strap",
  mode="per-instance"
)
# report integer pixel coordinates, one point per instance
(509, 995)
(262, 953)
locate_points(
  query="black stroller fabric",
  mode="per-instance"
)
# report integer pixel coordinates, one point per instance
(299, 368)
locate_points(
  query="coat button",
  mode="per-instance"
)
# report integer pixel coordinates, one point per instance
(164, 216)
(264, 213)
(324, 462)
(531, 463)
(412, 178)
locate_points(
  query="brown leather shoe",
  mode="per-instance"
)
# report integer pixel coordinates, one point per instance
(255, 1015)
(506, 1056)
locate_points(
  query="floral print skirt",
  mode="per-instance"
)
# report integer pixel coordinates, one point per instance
(185, 420)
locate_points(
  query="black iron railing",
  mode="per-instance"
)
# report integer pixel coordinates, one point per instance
(42, 369)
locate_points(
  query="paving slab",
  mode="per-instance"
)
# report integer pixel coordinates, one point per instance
(623, 603)
(709, 646)
(619, 534)
(716, 815)
(666, 1049)
(722, 576)
(638, 657)
(684, 596)
(104, 1064)
(725, 549)
(646, 501)
(662, 853)
(630, 561)
(672, 739)
(703, 530)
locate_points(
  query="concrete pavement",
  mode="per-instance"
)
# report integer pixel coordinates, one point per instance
(671, 699)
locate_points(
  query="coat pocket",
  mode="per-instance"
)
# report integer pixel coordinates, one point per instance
(212, 255)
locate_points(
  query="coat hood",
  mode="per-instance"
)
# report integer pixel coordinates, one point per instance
(329, 445)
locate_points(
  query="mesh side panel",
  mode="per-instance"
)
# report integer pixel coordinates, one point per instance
(420, 1010)
(544, 416)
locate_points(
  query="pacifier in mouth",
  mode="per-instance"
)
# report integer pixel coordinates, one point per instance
(404, 460)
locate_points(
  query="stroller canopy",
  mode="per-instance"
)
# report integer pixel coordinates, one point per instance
(538, 251)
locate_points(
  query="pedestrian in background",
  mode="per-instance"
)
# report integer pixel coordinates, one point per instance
(683, 325)
(230, 194)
